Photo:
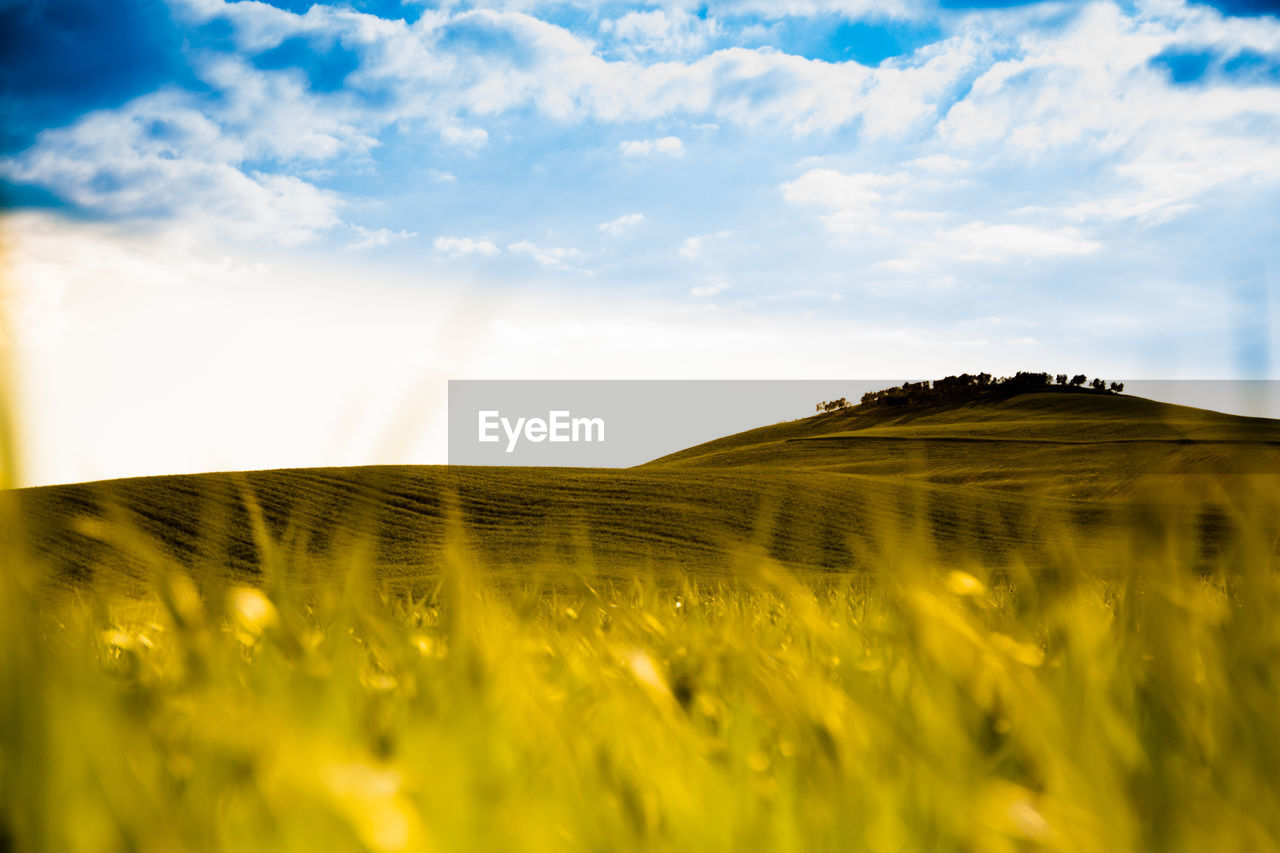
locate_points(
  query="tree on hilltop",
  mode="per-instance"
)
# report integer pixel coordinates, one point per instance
(969, 386)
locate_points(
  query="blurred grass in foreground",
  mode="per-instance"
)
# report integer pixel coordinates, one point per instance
(1055, 708)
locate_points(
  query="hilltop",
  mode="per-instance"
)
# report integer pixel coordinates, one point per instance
(974, 387)
(1066, 444)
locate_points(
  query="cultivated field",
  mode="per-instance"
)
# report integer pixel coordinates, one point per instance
(1040, 623)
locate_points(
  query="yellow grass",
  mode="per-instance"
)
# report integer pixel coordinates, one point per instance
(924, 704)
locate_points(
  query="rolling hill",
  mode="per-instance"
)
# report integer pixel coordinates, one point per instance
(1018, 480)
(1065, 444)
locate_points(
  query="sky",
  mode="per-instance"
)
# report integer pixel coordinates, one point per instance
(248, 235)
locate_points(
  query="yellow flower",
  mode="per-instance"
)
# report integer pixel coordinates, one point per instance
(963, 583)
(253, 611)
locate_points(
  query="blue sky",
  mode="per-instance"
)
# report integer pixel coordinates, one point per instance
(319, 212)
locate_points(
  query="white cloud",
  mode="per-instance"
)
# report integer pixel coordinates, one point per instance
(179, 156)
(692, 247)
(1036, 89)
(709, 289)
(376, 238)
(1090, 90)
(464, 137)
(671, 146)
(423, 72)
(850, 9)
(274, 115)
(942, 163)
(622, 224)
(900, 265)
(185, 154)
(102, 165)
(980, 241)
(547, 257)
(442, 177)
(839, 191)
(1056, 106)
(855, 200)
(660, 32)
(256, 26)
(459, 246)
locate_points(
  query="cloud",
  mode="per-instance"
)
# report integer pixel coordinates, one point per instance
(244, 156)
(564, 76)
(459, 246)
(710, 289)
(937, 154)
(624, 223)
(547, 257)
(464, 137)
(373, 239)
(691, 248)
(660, 32)
(941, 163)
(671, 146)
(855, 200)
(838, 190)
(980, 241)
(1089, 92)
(227, 165)
(114, 164)
(899, 265)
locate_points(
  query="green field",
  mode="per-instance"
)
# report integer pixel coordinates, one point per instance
(1045, 622)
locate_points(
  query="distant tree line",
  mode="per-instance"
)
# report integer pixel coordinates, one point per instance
(973, 386)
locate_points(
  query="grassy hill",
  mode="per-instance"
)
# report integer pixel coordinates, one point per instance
(1052, 443)
(988, 481)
